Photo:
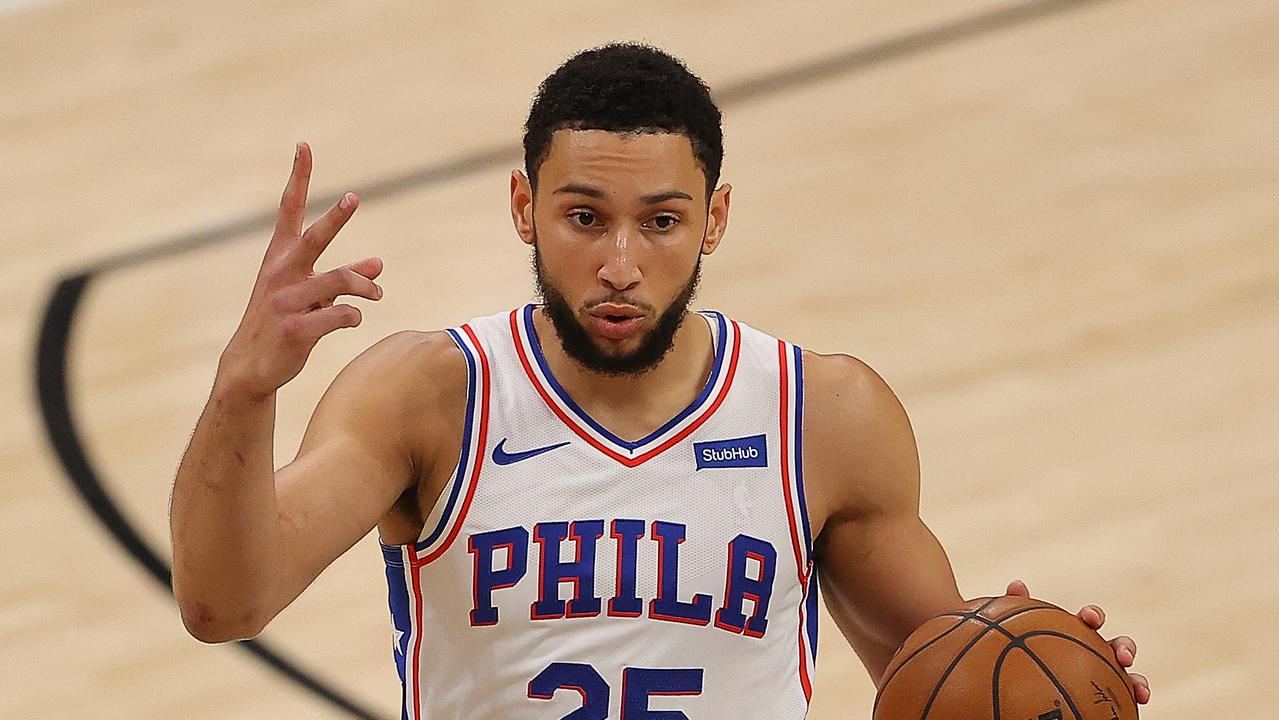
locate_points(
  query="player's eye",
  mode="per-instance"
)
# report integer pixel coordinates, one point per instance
(663, 223)
(583, 218)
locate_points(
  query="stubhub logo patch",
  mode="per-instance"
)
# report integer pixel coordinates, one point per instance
(735, 453)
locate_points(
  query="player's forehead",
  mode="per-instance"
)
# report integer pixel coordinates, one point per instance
(624, 165)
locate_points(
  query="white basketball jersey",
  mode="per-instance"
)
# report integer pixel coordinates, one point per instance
(566, 573)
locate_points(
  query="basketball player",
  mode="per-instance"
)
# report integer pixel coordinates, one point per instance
(604, 505)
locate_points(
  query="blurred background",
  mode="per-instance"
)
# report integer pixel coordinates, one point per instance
(1050, 225)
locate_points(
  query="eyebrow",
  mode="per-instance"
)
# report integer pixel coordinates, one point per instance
(594, 192)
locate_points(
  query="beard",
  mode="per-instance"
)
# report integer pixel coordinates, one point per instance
(579, 346)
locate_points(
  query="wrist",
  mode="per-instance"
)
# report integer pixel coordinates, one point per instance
(232, 388)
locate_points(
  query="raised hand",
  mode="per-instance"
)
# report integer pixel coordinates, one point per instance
(1125, 647)
(292, 306)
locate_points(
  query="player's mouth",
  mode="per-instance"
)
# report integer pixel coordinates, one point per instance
(616, 322)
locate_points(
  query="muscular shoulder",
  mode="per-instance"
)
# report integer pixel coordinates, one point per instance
(859, 450)
(426, 361)
(401, 389)
(412, 372)
(843, 387)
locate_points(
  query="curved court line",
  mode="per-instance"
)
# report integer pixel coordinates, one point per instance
(55, 406)
(59, 314)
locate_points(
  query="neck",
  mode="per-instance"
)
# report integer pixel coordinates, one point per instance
(633, 402)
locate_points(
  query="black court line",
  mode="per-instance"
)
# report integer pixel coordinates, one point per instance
(55, 407)
(51, 379)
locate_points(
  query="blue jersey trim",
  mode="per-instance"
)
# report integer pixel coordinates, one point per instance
(799, 448)
(391, 552)
(398, 600)
(460, 478)
(585, 418)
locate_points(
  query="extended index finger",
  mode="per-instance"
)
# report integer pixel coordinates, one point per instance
(321, 233)
(288, 221)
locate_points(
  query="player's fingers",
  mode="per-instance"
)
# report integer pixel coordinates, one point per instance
(1140, 687)
(369, 267)
(1125, 650)
(1093, 616)
(288, 221)
(321, 289)
(323, 230)
(318, 323)
(1018, 588)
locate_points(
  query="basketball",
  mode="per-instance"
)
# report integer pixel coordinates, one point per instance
(1007, 657)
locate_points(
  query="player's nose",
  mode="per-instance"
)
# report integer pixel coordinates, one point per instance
(620, 269)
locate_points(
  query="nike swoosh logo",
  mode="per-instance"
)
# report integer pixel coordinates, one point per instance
(502, 457)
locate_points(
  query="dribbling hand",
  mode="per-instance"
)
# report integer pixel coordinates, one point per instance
(1125, 647)
(292, 306)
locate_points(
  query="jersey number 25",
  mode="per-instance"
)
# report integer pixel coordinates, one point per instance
(638, 684)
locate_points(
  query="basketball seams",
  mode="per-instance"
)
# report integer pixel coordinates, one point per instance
(926, 645)
(976, 614)
(1109, 663)
(932, 697)
(1014, 640)
(998, 624)
(994, 624)
(917, 651)
(1070, 703)
(1022, 610)
(1018, 644)
(994, 681)
(999, 664)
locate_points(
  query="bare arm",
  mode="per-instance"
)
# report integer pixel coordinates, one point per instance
(882, 571)
(222, 518)
(246, 539)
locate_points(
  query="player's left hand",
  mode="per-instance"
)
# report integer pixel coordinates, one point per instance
(1125, 648)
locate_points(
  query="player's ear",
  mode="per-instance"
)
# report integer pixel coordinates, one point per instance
(522, 206)
(717, 218)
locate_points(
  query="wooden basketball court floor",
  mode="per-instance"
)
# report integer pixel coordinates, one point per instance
(1052, 226)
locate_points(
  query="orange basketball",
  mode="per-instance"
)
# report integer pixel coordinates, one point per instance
(1005, 658)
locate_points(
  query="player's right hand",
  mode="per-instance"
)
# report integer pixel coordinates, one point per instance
(292, 306)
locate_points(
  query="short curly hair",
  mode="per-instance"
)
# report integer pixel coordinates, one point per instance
(625, 88)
